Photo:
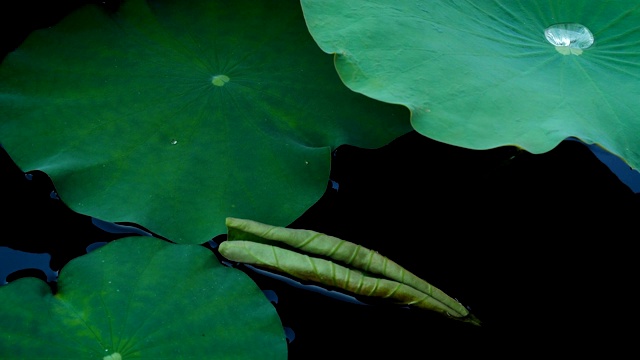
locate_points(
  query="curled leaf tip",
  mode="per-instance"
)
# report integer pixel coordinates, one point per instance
(472, 319)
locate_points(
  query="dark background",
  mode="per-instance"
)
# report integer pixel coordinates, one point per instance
(540, 247)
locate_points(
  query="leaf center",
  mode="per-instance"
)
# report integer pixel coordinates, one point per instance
(220, 80)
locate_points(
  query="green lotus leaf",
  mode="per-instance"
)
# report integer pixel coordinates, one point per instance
(176, 114)
(342, 265)
(137, 298)
(481, 74)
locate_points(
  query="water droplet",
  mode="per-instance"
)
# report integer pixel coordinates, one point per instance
(220, 80)
(569, 38)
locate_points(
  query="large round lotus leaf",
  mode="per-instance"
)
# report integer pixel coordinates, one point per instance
(177, 114)
(141, 298)
(482, 74)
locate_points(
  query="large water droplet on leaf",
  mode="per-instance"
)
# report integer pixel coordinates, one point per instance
(569, 38)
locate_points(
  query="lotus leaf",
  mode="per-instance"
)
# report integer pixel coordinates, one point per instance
(141, 297)
(482, 74)
(176, 114)
(364, 272)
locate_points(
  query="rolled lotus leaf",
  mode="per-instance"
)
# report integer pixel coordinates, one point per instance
(255, 243)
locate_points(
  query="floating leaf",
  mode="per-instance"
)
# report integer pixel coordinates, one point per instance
(140, 298)
(176, 114)
(368, 273)
(490, 73)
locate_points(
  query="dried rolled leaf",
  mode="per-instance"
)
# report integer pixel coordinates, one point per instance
(398, 283)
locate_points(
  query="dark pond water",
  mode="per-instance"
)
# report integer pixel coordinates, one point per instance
(540, 247)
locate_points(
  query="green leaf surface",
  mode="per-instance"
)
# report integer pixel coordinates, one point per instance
(481, 74)
(341, 264)
(176, 114)
(140, 298)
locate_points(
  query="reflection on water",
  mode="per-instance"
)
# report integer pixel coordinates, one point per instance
(313, 288)
(16, 260)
